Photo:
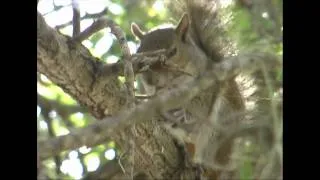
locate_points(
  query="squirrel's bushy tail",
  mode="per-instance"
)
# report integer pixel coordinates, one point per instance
(207, 28)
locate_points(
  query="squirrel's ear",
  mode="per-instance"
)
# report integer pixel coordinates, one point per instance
(136, 31)
(183, 26)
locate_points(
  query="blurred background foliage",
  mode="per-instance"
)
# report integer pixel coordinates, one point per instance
(252, 27)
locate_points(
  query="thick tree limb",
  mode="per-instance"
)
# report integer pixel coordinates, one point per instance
(98, 132)
(75, 70)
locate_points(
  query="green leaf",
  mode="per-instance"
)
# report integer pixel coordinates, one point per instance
(112, 144)
(122, 79)
(89, 156)
(92, 161)
(59, 128)
(67, 99)
(78, 119)
(246, 171)
(96, 37)
(100, 148)
(279, 75)
(46, 92)
(243, 18)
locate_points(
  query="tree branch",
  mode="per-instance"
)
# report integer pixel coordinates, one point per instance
(128, 70)
(57, 159)
(76, 18)
(116, 30)
(95, 27)
(98, 132)
(56, 8)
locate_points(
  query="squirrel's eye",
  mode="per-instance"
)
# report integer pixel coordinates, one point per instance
(172, 51)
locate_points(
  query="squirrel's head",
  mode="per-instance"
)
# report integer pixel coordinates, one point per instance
(177, 39)
(161, 38)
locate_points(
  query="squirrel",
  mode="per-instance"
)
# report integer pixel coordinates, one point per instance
(199, 43)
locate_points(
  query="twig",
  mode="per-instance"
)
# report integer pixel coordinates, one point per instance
(56, 8)
(47, 118)
(63, 111)
(71, 126)
(116, 30)
(100, 131)
(86, 16)
(120, 164)
(140, 63)
(96, 15)
(143, 97)
(151, 53)
(132, 145)
(95, 27)
(128, 69)
(76, 18)
(246, 3)
(41, 173)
